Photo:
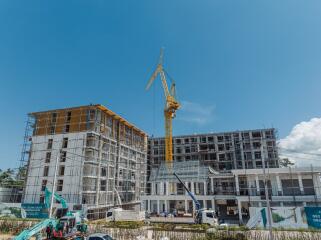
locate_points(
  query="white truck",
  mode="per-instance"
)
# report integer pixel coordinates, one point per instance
(202, 215)
(206, 216)
(119, 214)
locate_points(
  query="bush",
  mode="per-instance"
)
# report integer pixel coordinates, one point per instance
(225, 236)
(119, 224)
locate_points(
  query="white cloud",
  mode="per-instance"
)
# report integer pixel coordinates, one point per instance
(303, 144)
(196, 113)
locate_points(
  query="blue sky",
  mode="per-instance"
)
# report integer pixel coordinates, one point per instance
(237, 64)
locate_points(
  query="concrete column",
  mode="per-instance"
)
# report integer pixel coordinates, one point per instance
(242, 152)
(148, 205)
(192, 187)
(167, 188)
(99, 172)
(186, 206)
(237, 185)
(248, 185)
(316, 184)
(197, 188)
(166, 205)
(205, 188)
(158, 206)
(186, 184)
(239, 206)
(194, 207)
(279, 185)
(212, 186)
(300, 184)
(161, 188)
(257, 184)
(213, 204)
(205, 204)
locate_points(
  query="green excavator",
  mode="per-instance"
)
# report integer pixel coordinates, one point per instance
(73, 218)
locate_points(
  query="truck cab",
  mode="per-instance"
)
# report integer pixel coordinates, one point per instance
(206, 217)
(111, 214)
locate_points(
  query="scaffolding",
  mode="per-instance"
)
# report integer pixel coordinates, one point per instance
(103, 151)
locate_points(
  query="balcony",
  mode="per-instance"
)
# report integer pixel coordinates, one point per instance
(224, 191)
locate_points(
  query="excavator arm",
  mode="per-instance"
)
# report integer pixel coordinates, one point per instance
(56, 196)
(28, 233)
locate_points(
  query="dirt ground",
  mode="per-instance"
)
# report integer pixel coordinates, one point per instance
(5, 237)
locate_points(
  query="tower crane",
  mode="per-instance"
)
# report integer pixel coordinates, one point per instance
(171, 106)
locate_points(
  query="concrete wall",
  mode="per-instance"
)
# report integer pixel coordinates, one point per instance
(72, 179)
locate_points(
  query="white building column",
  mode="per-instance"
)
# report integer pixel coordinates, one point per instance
(192, 187)
(148, 206)
(197, 189)
(186, 184)
(300, 183)
(205, 188)
(316, 184)
(239, 206)
(166, 206)
(212, 185)
(213, 204)
(175, 188)
(167, 188)
(237, 186)
(161, 188)
(257, 183)
(279, 185)
(158, 206)
(193, 207)
(186, 206)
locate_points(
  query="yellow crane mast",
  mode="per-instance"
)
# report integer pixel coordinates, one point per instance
(171, 105)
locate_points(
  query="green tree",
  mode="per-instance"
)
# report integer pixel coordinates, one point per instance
(6, 177)
(10, 178)
(285, 162)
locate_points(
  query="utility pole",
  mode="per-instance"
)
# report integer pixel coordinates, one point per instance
(268, 206)
(54, 185)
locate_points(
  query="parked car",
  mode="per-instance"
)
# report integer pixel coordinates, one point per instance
(99, 236)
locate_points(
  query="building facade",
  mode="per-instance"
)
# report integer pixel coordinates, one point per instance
(221, 151)
(225, 172)
(95, 153)
(232, 195)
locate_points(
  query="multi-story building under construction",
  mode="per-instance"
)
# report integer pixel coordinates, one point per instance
(205, 163)
(221, 151)
(95, 153)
